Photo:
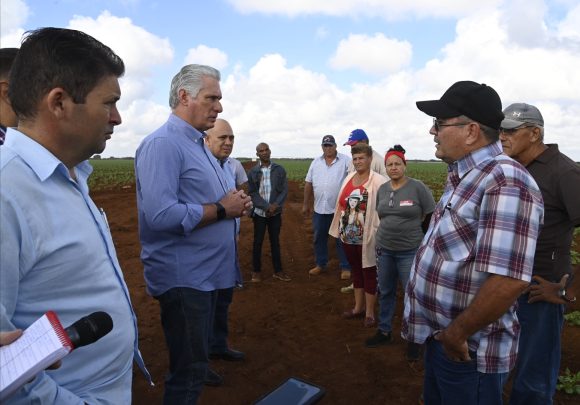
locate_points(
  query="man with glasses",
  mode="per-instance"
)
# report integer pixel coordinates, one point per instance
(541, 309)
(476, 257)
(323, 180)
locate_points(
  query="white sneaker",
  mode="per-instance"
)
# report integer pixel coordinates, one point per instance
(348, 289)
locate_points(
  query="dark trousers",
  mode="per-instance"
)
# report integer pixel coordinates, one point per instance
(539, 352)
(219, 337)
(450, 382)
(321, 224)
(273, 224)
(187, 318)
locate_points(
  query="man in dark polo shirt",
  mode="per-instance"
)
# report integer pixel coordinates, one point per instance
(541, 307)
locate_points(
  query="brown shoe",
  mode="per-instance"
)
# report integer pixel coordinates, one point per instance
(370, 322)
(282, 276)
(256, 278)
(316, 271)
(344, 274)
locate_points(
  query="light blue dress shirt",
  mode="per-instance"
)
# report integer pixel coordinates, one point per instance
(176, 174)
(56, 253)
(326, 181)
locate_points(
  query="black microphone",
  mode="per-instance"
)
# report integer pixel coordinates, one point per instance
(89, 329)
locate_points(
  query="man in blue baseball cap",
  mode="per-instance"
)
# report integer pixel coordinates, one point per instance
(377, 165)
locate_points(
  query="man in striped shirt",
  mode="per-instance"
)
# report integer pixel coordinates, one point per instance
(477, 255)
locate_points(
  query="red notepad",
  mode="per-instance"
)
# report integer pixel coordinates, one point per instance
(42, 344)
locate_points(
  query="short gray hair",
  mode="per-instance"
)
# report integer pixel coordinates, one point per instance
(541, 132)
(189, 79)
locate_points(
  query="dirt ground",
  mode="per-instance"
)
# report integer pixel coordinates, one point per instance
(285, 328)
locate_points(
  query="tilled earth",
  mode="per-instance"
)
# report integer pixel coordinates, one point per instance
(285, 328)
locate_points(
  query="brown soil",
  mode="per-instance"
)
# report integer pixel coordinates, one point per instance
(285, 329)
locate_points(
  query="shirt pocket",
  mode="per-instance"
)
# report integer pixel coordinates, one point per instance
(455, 237)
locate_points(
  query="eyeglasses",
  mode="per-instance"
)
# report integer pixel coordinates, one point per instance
(439, 124)
(391, 202)
(510, 132)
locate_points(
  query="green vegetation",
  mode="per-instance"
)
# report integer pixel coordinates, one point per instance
(296, 169)
(111, 173)
(573, 318)
(569, 382)
(433, 174)
(114, 173)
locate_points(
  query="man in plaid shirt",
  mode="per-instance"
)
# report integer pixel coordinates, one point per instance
(477, 255)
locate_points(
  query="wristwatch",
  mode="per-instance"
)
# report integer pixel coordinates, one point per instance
(221, 211)
(565, 298)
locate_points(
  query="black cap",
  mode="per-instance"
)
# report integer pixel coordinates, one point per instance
(477, 101)
(328, 140)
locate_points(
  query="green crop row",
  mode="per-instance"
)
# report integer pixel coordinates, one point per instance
(113, 173)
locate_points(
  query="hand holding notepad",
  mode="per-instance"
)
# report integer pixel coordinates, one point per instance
(42, 344)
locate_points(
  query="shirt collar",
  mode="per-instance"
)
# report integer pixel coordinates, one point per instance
(548, 154)
(475, 158)
(186, 127)
(40, 159)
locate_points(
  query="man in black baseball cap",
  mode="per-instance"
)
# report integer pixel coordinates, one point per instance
(477, 255)
(461, 107)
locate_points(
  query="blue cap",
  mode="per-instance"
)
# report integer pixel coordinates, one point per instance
(356, 136)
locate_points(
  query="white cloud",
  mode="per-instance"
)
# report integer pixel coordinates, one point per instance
(12, 16)
(377, 55)
(387, 9)
(569, 27)
(142, 52)
(524, 22)
(205, 55)
(140, 118)
(291, 107)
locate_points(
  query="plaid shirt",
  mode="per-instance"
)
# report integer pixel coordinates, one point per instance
(2, 134)
(486, 222)
(265, 189)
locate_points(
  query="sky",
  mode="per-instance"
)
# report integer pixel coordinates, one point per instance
(296, 70)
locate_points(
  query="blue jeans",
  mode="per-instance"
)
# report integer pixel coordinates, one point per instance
(218, 342)
(321, 224)
(458, 383)
(273, 224)
(187, 317)
(539, 351)
(391, 266)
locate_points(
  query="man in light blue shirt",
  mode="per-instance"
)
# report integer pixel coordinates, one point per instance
(187, 228)
(323, 181)
(240, 175)
(220, 141)
(56, 251)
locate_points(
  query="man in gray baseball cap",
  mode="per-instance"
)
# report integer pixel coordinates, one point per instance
(541, 308)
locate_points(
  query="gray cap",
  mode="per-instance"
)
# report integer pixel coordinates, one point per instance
(519, 114)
